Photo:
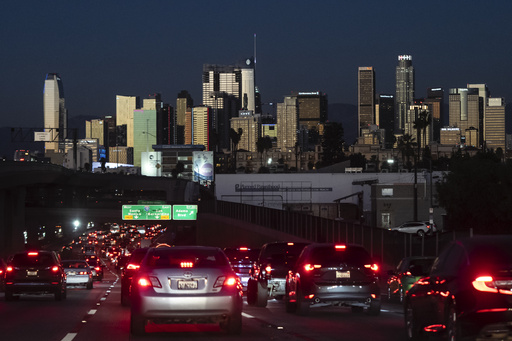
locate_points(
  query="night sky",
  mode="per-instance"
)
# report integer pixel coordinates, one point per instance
(105, 48)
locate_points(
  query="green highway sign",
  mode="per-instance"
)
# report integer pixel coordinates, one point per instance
(184, 212)
(147, 212)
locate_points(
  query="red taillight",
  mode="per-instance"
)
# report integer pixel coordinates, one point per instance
(290, 244)
(485, 283)
(373, 267)
(244, 249)
(55, 269)
(151, 281)
(227, 281)
(97, 268)
(132, 267)
(340, 247)
(268, 269)
(9, 269)
(33, 253)
(186, 264)
(311, 267)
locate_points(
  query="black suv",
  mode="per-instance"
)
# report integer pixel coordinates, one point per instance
(35, 272)
(333, 274)
(268, 274)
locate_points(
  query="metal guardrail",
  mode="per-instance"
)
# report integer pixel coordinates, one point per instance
(386, 246)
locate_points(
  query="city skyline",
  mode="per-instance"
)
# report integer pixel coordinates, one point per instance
(102, 51)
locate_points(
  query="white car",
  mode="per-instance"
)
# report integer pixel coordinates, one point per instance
(78, 272)
(421, 228)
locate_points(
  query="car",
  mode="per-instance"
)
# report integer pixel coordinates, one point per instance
(242, 259)
(35, 272)
(3, 266)
(268, 274)
(421, 228)
(186, 284)
(467, 294)
(97, 266)
(78, 272)
(407, 272)
(127, 272)
(333, 275)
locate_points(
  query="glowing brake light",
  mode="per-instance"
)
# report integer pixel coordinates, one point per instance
(9, 269)
(151, 281)
(340, 247)
(268, 269)
(186, 264)
(55, 268)
(244, 249)
(33, 253)
(290, 244)
(133, 267)
(373, 267)
(311, 267)
(230, 281)
(485, 283)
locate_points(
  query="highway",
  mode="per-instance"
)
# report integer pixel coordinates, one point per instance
(97, 315)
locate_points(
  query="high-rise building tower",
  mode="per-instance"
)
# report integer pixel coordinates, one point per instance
(287, 123)
(144, 133)
(484, 94)
(385, 117)
(494, 123)
(226, 90)
(365, 97)
(250, 126)
(435, 100)
(312, 107)
(125, 105)
(55, 112)
(183, 103)
(465, 113)
(404, 91)
(200, 124)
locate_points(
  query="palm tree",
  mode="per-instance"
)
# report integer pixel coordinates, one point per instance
(422, 122)
(235, 139)
(263, 144)
(405, 145)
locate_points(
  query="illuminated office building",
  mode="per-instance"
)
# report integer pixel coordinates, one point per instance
(125, 105)
(312, 110)
(144, 133)
(484, 94)
(494, 123)
(385, 117)
(250, 125)
(365, 97)
(183, 103)
(404, 91)
(465, 113)
(287, 123)
(200, 126)
(435, 101)
(55, 113)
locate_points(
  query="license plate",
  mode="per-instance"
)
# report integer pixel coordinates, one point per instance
(342, 274)
(31, 273)
(187, 285)
(71, 273)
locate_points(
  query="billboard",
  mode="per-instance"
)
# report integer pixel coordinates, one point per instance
(203, 167)
(151, 164)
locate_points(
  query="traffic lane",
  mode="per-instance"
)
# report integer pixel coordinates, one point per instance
(40, 317)
(112, 322)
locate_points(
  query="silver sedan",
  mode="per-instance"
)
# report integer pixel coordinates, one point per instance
(186, 284)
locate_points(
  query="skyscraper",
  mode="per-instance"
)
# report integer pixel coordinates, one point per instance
(435, 100)
(201, 126)
(365, 97)
(250, 130)
(226, 90)
(385, 117)
(125, 105)
(404, 91)
(484, 94)
(465, 114)
(494, 123)
(183, 103)
(287, 123)
(55, 112)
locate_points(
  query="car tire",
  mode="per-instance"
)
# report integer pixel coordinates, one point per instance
(9, 295)
(89, 285)
(58, 294)
(137, 324)
(125, 301)
(374, 308)
(261, 294)
(233, 325)
(302, 308)
(251, 292)
(412, 330)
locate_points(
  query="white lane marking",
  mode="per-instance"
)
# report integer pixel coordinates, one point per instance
(92, 311)
(69, 337)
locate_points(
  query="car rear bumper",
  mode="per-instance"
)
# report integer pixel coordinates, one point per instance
(344, 293)
(32, 287)
(77, 280)
(213, 308)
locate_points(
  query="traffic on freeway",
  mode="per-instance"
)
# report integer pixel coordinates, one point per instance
(194, 293)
